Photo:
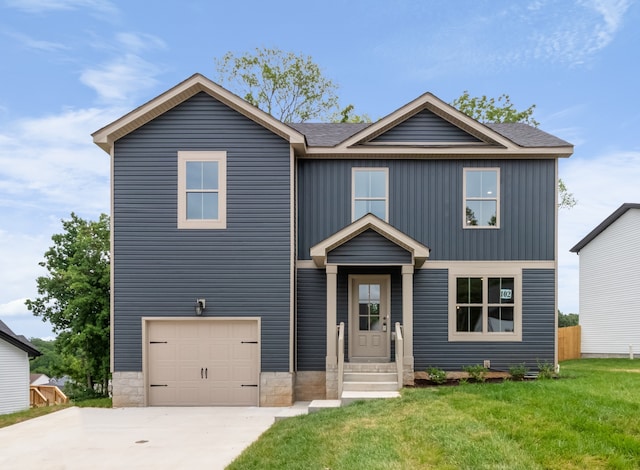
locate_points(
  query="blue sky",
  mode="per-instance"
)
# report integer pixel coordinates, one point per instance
(69, 67)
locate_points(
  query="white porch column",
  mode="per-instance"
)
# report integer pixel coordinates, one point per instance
(407, 322)
(332, 317)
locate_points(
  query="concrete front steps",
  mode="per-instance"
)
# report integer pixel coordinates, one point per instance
(368, 381)
(363, 381)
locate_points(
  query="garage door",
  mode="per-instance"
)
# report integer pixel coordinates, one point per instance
(203, 362)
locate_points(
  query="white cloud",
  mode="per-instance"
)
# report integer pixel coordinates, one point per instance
(568, 34)
(50, 162)
(600, 185)
(121, 78)
(39, 6)
(138, 42)
(14, 308)
(37, 44)
(581, 33)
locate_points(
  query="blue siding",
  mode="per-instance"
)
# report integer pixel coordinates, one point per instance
(241, 271)
(425, 202)
(369, 247)
(431, 345)
(426, 126)
(311, 331)
(312, 315)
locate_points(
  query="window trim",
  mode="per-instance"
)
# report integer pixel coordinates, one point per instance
(486, 272)
(384, 170)
(464, 198)
(202, 156)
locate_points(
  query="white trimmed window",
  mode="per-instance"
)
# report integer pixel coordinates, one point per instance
(481, 198)
(369, 192)
(202, 189)
(485, 305)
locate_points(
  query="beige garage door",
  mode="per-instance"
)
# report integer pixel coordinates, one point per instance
(203, 362)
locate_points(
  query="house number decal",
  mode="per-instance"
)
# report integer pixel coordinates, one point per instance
(505, 294)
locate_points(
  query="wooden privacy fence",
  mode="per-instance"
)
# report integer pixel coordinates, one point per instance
(569, 343)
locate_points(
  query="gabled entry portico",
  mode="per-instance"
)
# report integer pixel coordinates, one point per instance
(372, 249)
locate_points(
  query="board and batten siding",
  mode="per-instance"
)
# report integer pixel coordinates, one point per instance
(14, 378)
(425, 126)
(243, 270)
(430, 325)
(609, 295)
(426, 203)
(369, 247)
(311, 320)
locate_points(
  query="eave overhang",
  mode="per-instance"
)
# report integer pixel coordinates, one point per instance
(419, 252)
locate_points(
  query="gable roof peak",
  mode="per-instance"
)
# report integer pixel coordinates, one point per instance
(196, 83)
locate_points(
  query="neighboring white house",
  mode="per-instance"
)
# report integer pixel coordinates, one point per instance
(39, 379)
(15, 351)
(609, 285)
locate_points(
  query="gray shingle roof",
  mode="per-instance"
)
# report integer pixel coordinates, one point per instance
(18, 341)
(331, 134)
(327, 134)
(527, 136)
(603, 225)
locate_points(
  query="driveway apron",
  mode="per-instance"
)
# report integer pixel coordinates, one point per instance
(133, 438)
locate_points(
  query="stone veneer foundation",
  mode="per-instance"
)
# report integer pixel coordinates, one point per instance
(127, 389)
(276, 388)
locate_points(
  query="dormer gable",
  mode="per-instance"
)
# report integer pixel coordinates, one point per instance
(427, 121)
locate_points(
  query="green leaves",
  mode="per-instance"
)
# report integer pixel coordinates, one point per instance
(290, 87)
(74, 296)
(485, 109)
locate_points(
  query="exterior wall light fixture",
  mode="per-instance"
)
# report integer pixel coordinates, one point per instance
(200, 306)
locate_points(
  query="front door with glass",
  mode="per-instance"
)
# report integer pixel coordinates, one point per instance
(369, 318)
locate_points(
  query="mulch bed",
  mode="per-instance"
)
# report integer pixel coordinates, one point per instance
(453, 378)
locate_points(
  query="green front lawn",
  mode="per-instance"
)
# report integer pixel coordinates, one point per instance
(590, 418)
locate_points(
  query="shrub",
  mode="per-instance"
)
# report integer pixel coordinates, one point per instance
(437, 376)
(477, 372)
(546, 370)
(518, 371)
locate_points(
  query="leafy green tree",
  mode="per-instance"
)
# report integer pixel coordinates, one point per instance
(74, 297)
(346, 115)
(569, 319)
(50, 362)
(486, 110)
(290, 87)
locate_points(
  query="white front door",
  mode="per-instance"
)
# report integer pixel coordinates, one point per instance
(369, 318)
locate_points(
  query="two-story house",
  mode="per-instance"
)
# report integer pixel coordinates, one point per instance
(253, 261)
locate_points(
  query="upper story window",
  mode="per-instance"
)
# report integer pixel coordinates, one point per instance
(481, 197)
(202, 189)
(370, 190)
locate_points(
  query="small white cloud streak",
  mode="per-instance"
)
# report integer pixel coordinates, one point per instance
(40, 6)
(139, 42)
(37, 44)
(600, 185)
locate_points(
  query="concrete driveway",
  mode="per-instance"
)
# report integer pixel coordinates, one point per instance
(133, 438)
